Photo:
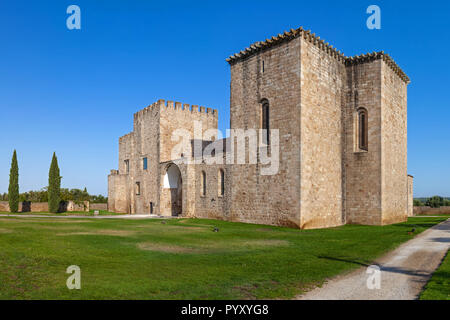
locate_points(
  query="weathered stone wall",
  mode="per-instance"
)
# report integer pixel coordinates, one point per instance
(146, 145)
(393, 147)
(431, 211)
(212, 205)
(118, 197)
(28, 206)
(272, 74)
(151, 138)
(321, 145)
(410, 195)
(324, 179)
(178, 116)
(71, 206)
(362, 169)
(98, 206)
(120, 182)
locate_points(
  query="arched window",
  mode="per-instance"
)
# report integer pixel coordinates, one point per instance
(363, 132)
(221, 179)
(203, 184)
(265, 121)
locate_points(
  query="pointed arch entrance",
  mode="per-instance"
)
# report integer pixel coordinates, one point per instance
(173, 191)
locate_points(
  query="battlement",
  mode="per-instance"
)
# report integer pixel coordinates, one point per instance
(287, 36)
(128, 135)
(369, 57)
(321, 44)
(163, 105)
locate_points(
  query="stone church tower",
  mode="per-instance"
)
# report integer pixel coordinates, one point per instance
(342, 124)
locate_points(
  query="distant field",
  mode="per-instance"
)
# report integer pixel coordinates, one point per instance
(182, 258)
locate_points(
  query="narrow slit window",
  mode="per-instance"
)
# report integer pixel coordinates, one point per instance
(203, 184)
(363, 129)
(127, 166)
(138, 188)
(221, 182)
(265, 125)
(144, 163)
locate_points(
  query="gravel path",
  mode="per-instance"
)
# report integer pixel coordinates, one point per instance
(404, 271)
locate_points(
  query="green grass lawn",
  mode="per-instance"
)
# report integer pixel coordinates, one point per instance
(438, 288)
(183, 258)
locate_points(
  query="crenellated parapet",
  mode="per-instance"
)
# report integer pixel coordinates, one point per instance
(184, 107)
(369, 57)
(322, 45)
(288, 36)
(126, 136)
(171, 106)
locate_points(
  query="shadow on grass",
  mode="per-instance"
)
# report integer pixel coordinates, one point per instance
(344, 260)
(416, 273)
(445, 240)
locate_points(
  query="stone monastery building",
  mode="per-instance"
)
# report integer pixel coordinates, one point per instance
(342, 128)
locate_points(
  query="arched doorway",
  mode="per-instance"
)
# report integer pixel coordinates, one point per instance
(173, 190)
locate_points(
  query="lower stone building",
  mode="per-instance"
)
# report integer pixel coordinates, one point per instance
(317, 140)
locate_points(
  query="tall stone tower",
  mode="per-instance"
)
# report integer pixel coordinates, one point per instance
(137, 187)
(342, 129)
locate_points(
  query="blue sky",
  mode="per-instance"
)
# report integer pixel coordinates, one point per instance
(75, 91)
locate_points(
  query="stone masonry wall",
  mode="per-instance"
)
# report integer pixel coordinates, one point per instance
(146, 145)
(212, 204)
(26, 206)
(362, 187)
(394, 147)
(273, 74)
(431, 211)
(181, 116)
(410, 196)
(322, 100)
(323, 179)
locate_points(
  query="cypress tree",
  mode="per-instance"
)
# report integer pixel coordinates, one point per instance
(54, 186)
(13, 190)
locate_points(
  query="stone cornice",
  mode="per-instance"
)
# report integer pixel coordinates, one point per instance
(321, 44)
(287, 36)
(368, 57)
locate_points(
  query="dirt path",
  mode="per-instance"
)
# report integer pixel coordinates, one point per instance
(403, 272)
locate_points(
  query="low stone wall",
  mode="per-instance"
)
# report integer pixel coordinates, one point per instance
(4, 206)
(431, 211)
(26, 206)
(68, 206)
(71, 206)
(99, 206)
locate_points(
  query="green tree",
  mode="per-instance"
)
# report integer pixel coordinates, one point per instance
(435, 202)
(418, 203)
(13, 190)
(54, 186)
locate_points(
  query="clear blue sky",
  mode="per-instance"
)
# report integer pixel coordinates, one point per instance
(75, 92)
